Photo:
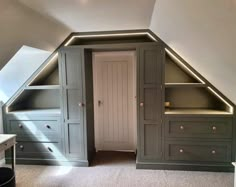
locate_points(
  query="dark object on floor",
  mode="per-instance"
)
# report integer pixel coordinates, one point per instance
(7, 177)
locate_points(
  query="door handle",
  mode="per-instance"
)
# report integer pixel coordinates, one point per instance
(81, 104)
(99, 102)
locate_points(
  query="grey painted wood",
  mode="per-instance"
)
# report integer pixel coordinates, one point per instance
(204, 127)
(73, 103)
(150, 103)
(198, 151)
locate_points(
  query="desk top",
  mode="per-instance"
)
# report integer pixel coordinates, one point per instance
(6, 137)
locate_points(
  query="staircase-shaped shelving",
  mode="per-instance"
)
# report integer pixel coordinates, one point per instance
(186, 92)
(41, 94)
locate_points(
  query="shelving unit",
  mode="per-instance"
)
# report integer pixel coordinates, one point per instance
(41, 95)
(186, 93)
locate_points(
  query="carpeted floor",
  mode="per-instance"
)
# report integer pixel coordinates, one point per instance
(116, 170)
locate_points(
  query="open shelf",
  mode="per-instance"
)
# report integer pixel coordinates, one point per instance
(196, 111)
(38, 111)
(195, 99)
(175, 73)
(49, 75)
(36, 100)
(45, 87)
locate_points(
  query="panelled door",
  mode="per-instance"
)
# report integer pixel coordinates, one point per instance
(73, 102)
(114, 100)
(150, 103)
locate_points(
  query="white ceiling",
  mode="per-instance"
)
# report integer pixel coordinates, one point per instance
(90, 15)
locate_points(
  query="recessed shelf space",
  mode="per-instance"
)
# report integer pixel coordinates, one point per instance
(49, 75)
(174, 73)
(36, 101)
(193, 100)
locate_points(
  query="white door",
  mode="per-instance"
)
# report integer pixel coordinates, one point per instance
(115, 100)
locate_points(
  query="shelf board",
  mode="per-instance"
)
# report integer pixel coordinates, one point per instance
(181, 85)
(37, 111)
(197, 111)
(43, 87)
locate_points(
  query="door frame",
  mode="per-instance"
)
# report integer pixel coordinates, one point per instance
(133, 54)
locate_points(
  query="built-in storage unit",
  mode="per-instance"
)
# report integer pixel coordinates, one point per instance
(183, 121)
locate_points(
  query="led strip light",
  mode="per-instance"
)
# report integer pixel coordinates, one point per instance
(108, 35)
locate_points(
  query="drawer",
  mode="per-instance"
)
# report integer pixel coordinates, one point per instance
(43, 130)
(38, 150)
(199, 127)
(198, 151)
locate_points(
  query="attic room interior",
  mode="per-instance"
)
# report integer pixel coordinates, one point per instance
(137, 93)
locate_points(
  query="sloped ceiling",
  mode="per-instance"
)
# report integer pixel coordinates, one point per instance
(95, 15)
(203, 32)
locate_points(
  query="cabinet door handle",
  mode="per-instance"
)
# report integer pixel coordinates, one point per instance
(21, 147)
(50, 149)
(81, 104)
(181, 150)
(20, 126)
(214, 128)
(181, 127)
(213, 152)
(141, 104)
(48, 126)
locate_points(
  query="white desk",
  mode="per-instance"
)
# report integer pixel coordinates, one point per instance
(8, 141)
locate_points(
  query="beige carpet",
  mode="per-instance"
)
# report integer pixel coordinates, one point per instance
(116, 170)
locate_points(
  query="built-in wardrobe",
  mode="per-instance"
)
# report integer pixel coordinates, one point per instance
(183, 122)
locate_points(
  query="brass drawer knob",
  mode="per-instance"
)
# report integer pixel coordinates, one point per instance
(181, 127)
(181, 150)
(213, 152)
(20, 126)
(214, 128)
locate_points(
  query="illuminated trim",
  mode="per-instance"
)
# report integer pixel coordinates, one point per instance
(231, 109)
(184, 66)
(108, 35)
(51, 60)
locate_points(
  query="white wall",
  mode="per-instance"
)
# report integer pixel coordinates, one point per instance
(22, 26)
(96, 15)
(203, 32)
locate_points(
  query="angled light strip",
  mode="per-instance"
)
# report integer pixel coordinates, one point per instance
(184, 66)
(51, 60)
(108, 35)
(231, 109)
(7, 110)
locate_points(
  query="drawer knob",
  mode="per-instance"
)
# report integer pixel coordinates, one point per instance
(50, 149)
(81, 104)
(141, 104)
(21, 147)
(214, 128)
(181, 127)
(48, 126)
(20, 126)
(181, 150)
(213, 152)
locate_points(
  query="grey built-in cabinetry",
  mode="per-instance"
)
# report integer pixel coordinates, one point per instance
(183, 121)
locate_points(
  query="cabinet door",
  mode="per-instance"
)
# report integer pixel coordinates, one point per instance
(73, 102)
(150, 103)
